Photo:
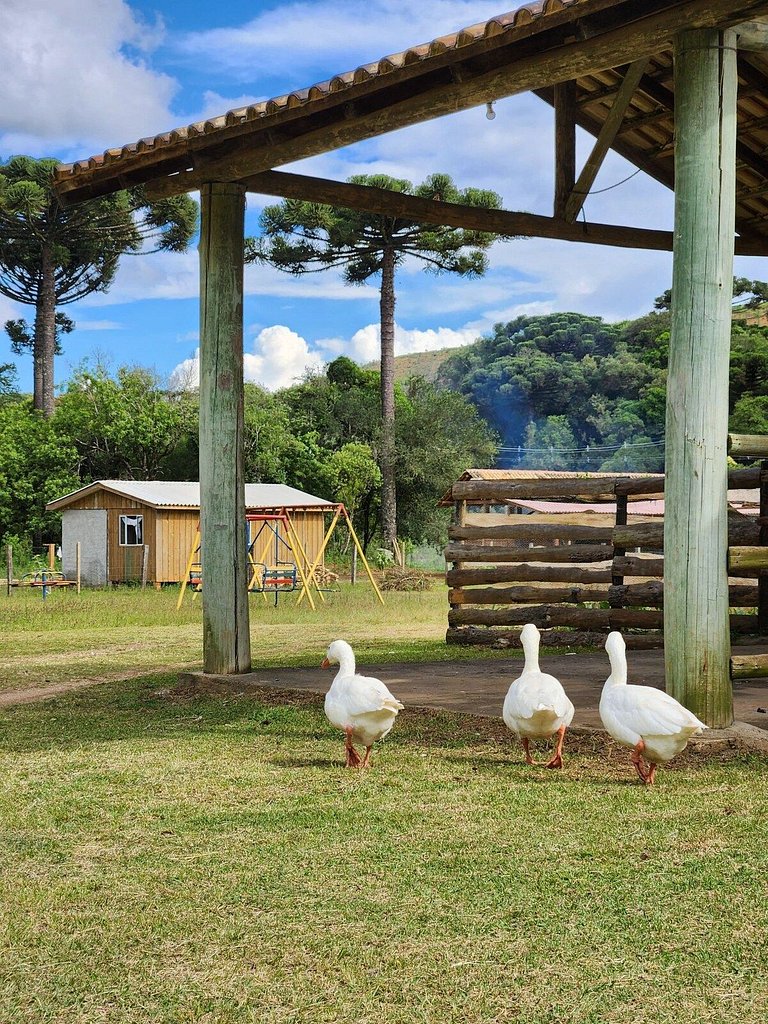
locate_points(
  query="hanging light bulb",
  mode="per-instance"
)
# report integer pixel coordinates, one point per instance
(490, 113)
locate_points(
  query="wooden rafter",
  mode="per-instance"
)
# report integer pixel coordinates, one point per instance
(605, 138)
(565, 144)
(500, 222)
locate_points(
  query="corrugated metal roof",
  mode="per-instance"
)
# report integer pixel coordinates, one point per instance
(186, 494)
(638, 508)
(544, 474)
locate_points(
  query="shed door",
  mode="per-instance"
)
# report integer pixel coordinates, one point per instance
(89, 528)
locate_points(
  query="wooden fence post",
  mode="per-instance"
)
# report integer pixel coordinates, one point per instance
(77, 565)
(9, 567)
(617, 580)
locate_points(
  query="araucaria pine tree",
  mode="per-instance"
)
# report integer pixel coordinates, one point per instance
(51, 255)
(301, 237)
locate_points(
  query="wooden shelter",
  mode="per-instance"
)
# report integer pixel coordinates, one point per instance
(678, 87)
(132, 530)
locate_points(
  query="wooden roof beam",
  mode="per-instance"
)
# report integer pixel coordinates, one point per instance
(499, 222)
(605, 138)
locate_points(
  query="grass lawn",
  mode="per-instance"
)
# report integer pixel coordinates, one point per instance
(173, 858)
(110, 634)
(169, 857)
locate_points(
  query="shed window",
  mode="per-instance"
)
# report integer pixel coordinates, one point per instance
(131, 531)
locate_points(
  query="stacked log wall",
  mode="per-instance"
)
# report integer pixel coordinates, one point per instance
(571, 576)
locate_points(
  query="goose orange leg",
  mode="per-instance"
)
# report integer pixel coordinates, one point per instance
(528, 758)
(556, 760)
(367, 758)
(353, 758)
(636, 758)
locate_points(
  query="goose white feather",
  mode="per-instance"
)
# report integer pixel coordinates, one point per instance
(654, 724)
(361, 706)
(536, 705)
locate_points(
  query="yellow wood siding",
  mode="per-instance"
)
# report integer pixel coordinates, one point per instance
(176, 530)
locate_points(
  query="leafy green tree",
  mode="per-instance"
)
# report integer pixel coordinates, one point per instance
(123, 427)
(52, 255)
(37, 464)
(8, 382)
(302, 237)
(355, 475)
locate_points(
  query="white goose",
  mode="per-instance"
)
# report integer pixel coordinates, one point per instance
(536, 706)
(654, 724)
(359, 705)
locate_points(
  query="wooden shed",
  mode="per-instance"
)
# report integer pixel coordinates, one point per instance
(115, 521)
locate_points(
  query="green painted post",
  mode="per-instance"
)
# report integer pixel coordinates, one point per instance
(696, 634)
(226, 638)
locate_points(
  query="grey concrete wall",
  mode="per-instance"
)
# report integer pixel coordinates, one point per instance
(89, 526)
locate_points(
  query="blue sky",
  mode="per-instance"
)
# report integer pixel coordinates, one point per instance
(83, 75)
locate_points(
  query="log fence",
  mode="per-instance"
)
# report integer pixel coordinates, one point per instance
(588, 578)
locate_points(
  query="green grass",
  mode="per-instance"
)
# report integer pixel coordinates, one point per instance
(170, 857)
(110, 634)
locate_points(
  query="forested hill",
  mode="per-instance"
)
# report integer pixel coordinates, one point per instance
(567, 391)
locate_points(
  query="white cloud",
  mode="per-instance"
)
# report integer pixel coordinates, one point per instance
(280, 357)
(365, 344)
(298, 39)
(99, 325)
(75, 77)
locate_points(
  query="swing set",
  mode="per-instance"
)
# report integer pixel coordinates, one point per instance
(280, 575)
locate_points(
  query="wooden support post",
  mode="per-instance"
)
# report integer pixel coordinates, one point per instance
(77, 565)
(226, 639)
(762, 582)
(51, 556)
(697, 645)
(617, 580)
(9, 568)
(565, 144)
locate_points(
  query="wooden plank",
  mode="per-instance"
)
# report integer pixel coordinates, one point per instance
(741, 530)
(563, 553)
(634, 565)
(546, 616)
(748, 446)
(500, 222)
(226, 636)
(432, 95)
(490, 637)
(742, 479)
(565, 488)
(652, 593)
(749, 666)
(526, 574)
(608, 133)
(519, 529)
(565, 144)
(531, 594)
(697, 648)
(740, 558)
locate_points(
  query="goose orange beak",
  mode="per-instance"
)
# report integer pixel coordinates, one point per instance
(325, 663)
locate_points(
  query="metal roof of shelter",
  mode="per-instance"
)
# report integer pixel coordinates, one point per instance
(533, 48)
(186, 494)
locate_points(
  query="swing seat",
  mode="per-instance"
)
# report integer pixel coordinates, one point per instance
(274, 578)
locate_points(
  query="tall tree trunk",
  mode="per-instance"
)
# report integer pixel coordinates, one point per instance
(387, 455)
(45, 334)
